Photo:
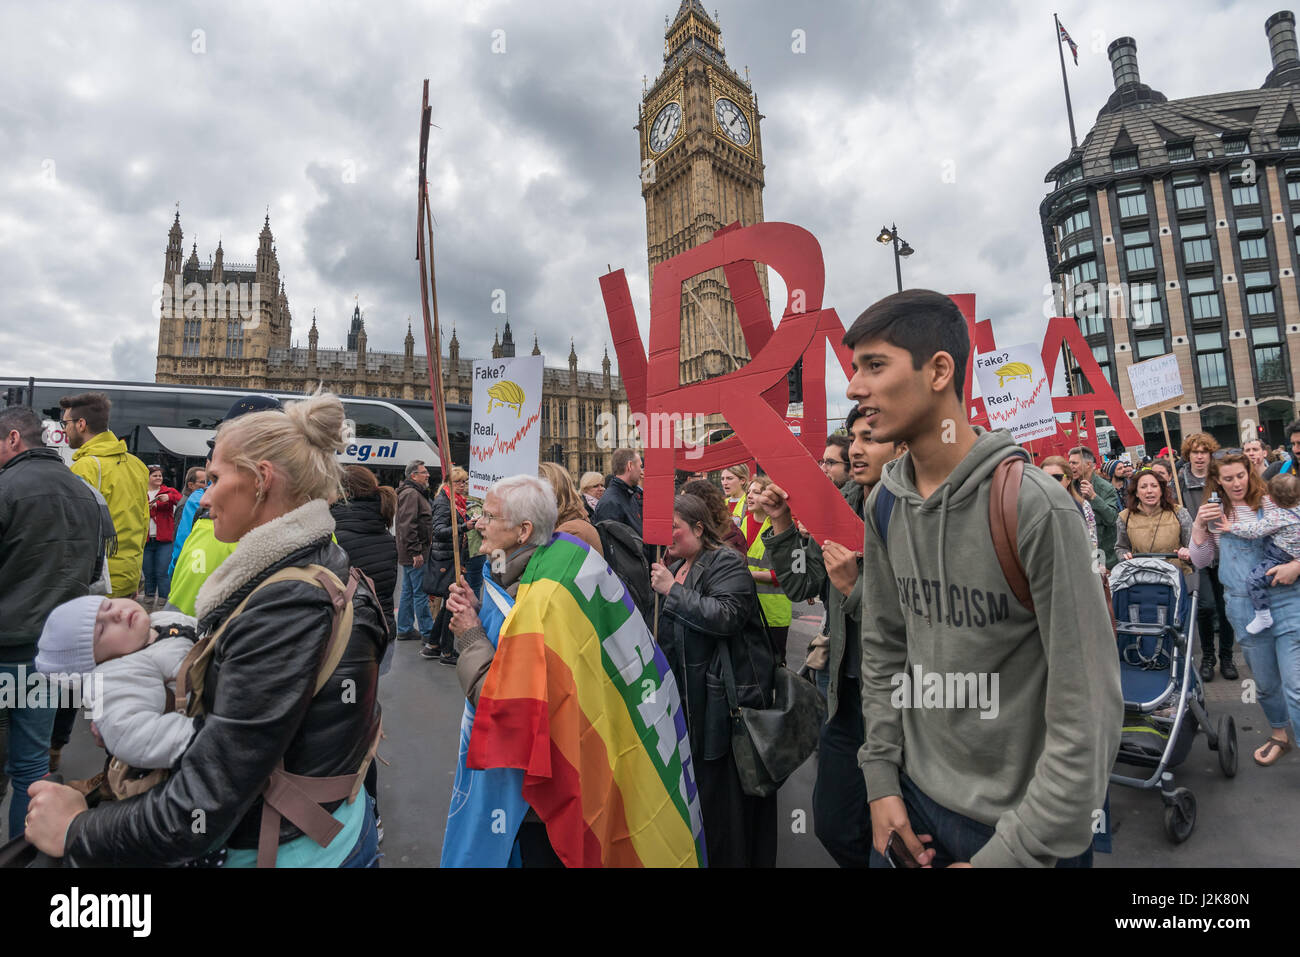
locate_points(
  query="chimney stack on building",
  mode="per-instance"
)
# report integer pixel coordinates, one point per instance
(1280, 28)
(1124, 62)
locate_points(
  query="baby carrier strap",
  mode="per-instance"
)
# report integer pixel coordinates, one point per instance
(296, 797)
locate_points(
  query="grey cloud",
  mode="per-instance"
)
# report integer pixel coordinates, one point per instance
(534, 167)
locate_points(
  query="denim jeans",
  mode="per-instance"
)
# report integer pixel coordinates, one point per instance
(957, 838)
(1273, 654)
(413, 600)
(1274, 659)
(157, 556)
(29, 748)
(366, 851)
(841, 819)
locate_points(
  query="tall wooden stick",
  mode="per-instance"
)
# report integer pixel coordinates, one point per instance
(432, 328)
(659, 559)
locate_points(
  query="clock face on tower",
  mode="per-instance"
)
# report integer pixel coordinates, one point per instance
(732, 120)
(666, 126)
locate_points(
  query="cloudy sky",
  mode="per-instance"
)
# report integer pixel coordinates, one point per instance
(943, 117)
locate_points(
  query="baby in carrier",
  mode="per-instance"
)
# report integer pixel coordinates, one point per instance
(1282, 544)
(135, 658)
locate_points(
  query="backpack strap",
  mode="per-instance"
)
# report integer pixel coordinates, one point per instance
(189, 680)
(299, 797)
(884, 508)
(1004, 495)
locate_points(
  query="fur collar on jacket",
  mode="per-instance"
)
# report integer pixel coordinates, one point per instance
(263, 547)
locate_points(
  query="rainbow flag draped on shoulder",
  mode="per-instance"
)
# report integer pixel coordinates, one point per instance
(581, 700)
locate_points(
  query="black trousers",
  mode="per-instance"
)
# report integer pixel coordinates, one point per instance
(739, 830)
(841, 817)
(64, 721)
(535, 848)
(1208, 614)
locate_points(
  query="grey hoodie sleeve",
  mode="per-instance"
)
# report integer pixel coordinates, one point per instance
(884, 654)
(1083, 710)
(789, 549)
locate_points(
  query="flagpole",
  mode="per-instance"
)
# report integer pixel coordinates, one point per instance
(1069, 110)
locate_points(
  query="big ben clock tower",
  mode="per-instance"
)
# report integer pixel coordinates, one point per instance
(702, 162)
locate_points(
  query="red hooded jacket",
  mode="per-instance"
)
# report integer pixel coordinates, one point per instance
(163, 512)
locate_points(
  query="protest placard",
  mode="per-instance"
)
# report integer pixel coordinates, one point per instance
(505, 435)
(1016, 392)
(1157, 384)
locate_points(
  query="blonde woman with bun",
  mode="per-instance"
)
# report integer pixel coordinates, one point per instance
(735, 484)
(274, 475)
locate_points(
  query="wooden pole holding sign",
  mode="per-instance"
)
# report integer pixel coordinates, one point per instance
(432, 329)
(1157, 388)
(1178, 489)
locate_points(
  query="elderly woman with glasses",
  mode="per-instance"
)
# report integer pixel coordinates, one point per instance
(518, 516)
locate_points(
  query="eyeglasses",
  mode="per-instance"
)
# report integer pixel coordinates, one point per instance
(831, 463)
(67, 422)
(487, 516)
(1060, 477)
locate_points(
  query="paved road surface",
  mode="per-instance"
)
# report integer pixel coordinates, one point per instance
(1252, 820)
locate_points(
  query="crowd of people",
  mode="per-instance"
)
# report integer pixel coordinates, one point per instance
(240, 624)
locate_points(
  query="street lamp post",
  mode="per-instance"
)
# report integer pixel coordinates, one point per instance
(888, 235)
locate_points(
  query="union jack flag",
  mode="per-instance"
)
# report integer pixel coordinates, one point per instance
(1074, 47)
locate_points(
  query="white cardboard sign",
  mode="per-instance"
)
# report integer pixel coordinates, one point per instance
(506, 433)
(1015, 391)
(1157, 383)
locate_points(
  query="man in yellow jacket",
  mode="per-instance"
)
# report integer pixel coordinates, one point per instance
(101, 458)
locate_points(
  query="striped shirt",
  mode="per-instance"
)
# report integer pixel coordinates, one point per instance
(1282, 523)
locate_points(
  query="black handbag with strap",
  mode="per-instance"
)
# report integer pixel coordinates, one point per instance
(769, 744)
(438, 577)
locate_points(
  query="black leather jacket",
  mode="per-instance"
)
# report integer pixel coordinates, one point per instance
(717, 607)
(258, 710)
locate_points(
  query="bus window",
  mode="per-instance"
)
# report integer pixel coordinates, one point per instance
(378, 422)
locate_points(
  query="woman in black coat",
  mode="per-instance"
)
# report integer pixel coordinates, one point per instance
(710, 608)
(361, 524)
(441, 642)
(261, 719)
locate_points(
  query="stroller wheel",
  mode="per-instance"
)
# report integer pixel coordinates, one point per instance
(1180, 816)
(1228, 746)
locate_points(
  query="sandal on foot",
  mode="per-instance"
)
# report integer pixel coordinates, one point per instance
(1272, 749)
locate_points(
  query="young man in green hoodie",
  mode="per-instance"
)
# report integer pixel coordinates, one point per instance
(990, 728)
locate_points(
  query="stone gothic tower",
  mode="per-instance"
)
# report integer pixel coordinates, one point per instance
(219, 321)
(702, 168)
(507, 343)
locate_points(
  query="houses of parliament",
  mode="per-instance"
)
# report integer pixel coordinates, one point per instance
(699, 130)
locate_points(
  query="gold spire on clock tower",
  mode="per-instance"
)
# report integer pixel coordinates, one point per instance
(702, 169)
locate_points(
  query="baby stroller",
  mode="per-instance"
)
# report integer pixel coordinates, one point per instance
(1164, 701)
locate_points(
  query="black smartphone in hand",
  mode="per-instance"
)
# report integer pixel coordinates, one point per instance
(897, 853)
